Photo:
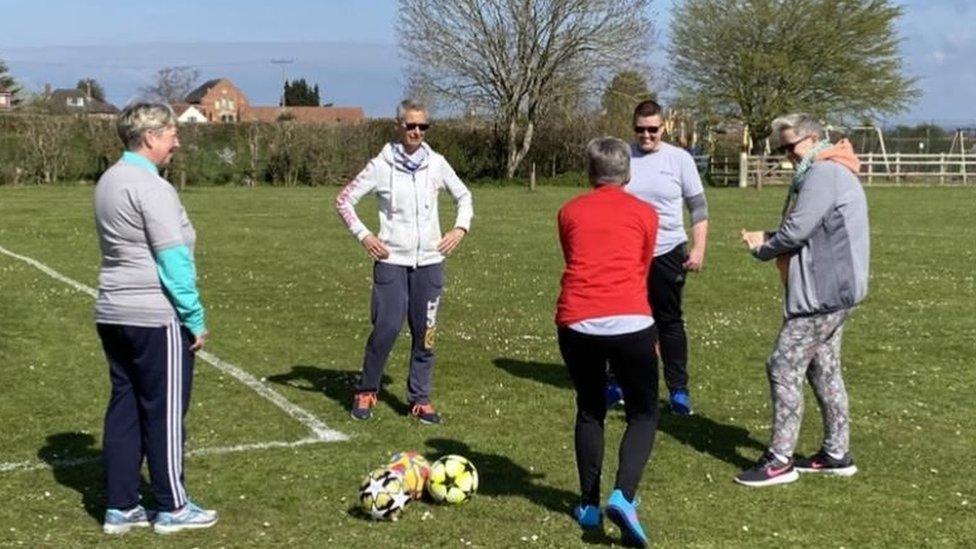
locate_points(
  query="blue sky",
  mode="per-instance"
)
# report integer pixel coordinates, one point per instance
(349, 47)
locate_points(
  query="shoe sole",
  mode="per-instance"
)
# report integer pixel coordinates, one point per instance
(425, 422)
(160, 529)
(354, 416)
(785, 478)
(848, 471)
(115, 529)
(629, 537)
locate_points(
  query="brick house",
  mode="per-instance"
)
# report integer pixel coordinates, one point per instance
(220, 101)
(188, 114)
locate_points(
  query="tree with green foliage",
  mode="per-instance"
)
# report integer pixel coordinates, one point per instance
(8, 83)
(299, 94)
(626, 90)
(758, 59)
(92, 88)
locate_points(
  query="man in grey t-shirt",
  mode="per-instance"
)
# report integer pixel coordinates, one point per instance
(666, 177)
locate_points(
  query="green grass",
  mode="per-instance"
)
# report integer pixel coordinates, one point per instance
(287, 293)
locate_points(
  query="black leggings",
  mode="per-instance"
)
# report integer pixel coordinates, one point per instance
(633, 362)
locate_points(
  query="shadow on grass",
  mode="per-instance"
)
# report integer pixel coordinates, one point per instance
(500, 476)
(542, 372)
(706, 435)
(77, 464)
(339, 385)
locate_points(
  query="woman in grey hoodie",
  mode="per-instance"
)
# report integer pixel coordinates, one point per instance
(822, 249)
(409, 251)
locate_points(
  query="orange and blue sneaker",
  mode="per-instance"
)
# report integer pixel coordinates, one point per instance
(362, 405)
(768, 471)
(118, 521)
(425, 413)
(624, 514)
(588, 516)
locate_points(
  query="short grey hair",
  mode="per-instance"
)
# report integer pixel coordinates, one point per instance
(138, 118)
(409, 105)
(802, 124)
(608, 160)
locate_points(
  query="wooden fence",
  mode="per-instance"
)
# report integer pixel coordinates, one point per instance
(890, 169)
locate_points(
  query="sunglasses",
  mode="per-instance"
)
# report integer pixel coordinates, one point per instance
(640, 130)
(790, 147)
(422, 127)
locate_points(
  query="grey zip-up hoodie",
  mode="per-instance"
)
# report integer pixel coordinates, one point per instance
(827, 234)
(409, 222)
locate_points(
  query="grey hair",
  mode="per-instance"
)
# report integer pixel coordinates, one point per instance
(408, 105)
(608, 160)
(138, 118)
(802, 124)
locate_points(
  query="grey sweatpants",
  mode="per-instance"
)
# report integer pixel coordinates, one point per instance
(809, 346)
(400, 292)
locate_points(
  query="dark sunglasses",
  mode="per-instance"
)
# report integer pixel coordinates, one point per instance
(421, 127)
(649, 129)
(789, 147)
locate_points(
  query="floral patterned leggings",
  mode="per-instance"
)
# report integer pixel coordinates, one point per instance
(809, 346)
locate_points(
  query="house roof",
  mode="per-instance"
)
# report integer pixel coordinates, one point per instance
(315, 115)
(59, 97)
(180, 108)
(197, 95)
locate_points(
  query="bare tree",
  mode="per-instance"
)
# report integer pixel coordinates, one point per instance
(516, 58)
(172, 84)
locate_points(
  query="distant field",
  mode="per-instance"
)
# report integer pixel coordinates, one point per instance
(287, 294)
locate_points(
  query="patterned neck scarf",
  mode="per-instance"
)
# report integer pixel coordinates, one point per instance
(409, 162)
(801, 171)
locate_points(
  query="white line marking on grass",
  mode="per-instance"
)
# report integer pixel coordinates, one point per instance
(23, 466)
(318, 428)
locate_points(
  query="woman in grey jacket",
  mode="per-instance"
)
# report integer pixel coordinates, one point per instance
(409, 251)
(822, 245)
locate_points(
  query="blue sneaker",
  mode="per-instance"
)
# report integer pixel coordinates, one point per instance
(189, 517)
(624, 514)
(588, 516)
(614, 394)
(118, 521)
(681, 402)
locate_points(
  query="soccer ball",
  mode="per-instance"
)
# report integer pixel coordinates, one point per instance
(453, 479)
(414, 469)
(382, 496)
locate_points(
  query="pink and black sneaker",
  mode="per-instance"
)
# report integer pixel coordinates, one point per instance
(767, 472)
(825, 464)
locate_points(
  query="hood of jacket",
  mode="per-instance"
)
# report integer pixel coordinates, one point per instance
(843, 153)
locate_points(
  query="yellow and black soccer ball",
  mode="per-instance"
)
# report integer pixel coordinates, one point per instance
(453, 479)
(414, 469)
(382, 495)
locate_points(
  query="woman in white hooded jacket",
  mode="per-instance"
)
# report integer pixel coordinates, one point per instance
(409, 251)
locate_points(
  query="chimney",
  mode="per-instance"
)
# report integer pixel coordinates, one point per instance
(47, 90)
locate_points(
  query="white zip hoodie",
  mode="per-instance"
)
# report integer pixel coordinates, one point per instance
(409, 223)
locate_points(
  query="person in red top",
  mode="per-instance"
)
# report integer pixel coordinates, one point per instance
(603, 317)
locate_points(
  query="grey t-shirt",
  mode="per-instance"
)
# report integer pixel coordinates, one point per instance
(137, 213)
(664, 178)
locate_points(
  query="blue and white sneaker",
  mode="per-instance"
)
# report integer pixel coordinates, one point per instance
(118, 521)
(614, 394)
(681, 403)
(191, 516)
(588, 516)
(624, 514)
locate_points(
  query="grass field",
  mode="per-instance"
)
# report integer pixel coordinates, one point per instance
(287, 295)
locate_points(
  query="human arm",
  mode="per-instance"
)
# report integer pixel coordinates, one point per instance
(345, 205)
(465, 211)
(814, 199)
(694, 197)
